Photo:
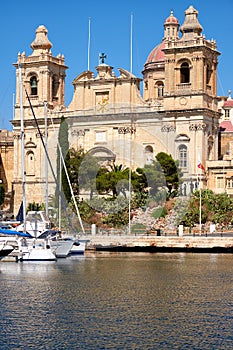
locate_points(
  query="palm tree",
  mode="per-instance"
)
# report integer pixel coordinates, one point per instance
(113, 179)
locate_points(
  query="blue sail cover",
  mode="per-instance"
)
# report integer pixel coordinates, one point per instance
(19, 216)
(14, 233)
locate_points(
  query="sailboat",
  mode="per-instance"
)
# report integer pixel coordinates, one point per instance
(38, 225)
(76, 246)
(36, 249)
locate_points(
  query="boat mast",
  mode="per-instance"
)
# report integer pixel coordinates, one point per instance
(22, 145)
(71, 189)
(46, 160)
(59, 198)
(131, 126)
(51, 167)
(131, 43)
(89, 43)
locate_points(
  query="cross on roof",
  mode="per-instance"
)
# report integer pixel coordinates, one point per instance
(102, 57)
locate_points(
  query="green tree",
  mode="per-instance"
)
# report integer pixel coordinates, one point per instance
(171, 171)
(113, 179)
(216, 208)
(83, 171)
(35, 206)
(63, 151)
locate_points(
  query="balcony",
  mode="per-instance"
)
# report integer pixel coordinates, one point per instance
(184, 86)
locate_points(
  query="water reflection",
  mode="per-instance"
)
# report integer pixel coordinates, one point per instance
(118, 301)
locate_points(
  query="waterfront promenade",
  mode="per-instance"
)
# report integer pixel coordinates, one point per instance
(222, 242)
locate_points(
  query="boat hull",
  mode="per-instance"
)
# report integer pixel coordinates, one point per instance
(78, 248)
(35, 250)
(61, 248)
(5, 250)
(38, 255)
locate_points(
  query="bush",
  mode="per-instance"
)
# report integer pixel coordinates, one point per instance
(138, 228)
(159, 213)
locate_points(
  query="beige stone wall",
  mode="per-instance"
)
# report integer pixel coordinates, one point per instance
(7, 164)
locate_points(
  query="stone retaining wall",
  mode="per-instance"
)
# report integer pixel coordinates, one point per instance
(184, 242)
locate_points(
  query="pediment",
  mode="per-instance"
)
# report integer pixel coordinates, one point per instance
(125, 74)
(30, 144)
(84, 76)
(182, 138)
(102, 153)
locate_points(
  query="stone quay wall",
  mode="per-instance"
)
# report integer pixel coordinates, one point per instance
(156, 243)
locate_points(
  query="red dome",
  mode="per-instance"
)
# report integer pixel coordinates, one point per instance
(228, 103)
(156, 54)
(171, 19)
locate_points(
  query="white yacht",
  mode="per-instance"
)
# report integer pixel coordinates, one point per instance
(35, 250)
(38, 226)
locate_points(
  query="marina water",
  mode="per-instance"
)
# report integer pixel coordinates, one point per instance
(118, 301)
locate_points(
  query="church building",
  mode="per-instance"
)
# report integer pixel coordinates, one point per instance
(108, 117)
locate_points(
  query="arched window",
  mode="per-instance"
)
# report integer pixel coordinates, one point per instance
(30, 163)
(184, 73)
(210, 146)
(160, 90)
(33, 85)
(55, 85)
(208, 74)
(183, 156)
(159, 87)
(149, 154)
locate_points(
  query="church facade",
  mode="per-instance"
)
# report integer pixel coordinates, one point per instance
(177, 114)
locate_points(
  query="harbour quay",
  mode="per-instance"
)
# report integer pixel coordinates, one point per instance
(222, 243)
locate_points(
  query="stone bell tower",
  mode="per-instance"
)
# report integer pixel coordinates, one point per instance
(43, 77)
(180, 81)
(190, 67)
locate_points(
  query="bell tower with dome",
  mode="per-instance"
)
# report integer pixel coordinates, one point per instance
(181, 71)
(154, 68)
(190, 68)
(43, 77)
(180, 82)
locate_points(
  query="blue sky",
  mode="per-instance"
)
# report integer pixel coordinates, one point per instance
(67, 24)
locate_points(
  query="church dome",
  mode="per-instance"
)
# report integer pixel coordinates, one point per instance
(171, 26)
(171, 19)
(156, 54)
(228, 103)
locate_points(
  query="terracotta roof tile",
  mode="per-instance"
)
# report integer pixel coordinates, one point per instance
(226, 125)
(156, 54)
